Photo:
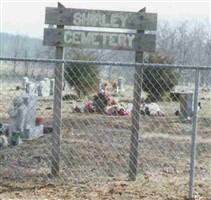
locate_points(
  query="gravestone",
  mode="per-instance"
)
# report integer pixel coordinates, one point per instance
(186, 104)
(23, 118)
(30, 101)
(31, 88)
(25, 81)
(120, 83)
(3, 141)
(44, 87)
(52, 83)
(31, 130)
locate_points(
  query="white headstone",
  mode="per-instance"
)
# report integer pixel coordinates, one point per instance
(25, 81)
(31, 130)
(44, 88)
(31, 88)
(30, 101)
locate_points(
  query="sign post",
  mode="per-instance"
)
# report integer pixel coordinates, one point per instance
(57, 112)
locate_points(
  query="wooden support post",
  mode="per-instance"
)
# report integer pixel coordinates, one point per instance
(57, 113)
(138, 77)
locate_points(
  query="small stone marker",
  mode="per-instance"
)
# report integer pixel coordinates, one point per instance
(25, 81)
(120, 84)
(186, 104)
(3, 141)
(52, 82)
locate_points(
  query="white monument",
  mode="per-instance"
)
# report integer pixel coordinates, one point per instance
(23, 117)
(31, 88)
(25, 81)
(44, 87)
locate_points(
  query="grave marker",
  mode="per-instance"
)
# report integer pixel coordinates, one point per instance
(23, 117)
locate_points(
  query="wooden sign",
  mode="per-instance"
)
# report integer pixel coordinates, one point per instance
(99, 40)
(101, 18)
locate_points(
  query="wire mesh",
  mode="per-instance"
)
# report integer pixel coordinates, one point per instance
(97, 104)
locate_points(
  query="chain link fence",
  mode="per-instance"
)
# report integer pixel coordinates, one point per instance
(95, 148)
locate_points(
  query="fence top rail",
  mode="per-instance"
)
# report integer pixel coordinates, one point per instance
(123, 64)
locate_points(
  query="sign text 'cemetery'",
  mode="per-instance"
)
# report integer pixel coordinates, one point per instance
(95, 38)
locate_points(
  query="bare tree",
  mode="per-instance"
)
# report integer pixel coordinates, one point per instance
(16, 49)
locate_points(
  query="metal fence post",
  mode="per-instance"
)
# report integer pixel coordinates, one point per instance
(194, 135)
(57, 118)
(138, 78)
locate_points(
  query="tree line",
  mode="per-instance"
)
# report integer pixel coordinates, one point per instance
(185, 42)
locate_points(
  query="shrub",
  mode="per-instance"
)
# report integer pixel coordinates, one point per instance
(84, 78)
(157, 82)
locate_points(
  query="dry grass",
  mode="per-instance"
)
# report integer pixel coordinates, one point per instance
(95, 157)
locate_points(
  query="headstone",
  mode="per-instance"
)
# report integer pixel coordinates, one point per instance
(120, 83)
(25, 81)
(3, 141)
(31, 88)
(100, 86)
(31, 130)
(30, 101)
(48, 86)
(52, 83)
(23, 118)
(186, 104)
(44, 87)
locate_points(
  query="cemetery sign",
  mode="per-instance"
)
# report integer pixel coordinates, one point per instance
(95, 37)
(101, 18)
(99, 40)
(103, 30)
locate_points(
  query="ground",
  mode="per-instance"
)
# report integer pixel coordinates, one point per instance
(95, 156)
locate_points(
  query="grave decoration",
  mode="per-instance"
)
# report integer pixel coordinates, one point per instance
(116, 86)
(104, 103)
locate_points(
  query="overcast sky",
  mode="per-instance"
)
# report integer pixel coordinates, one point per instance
(27, 16)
